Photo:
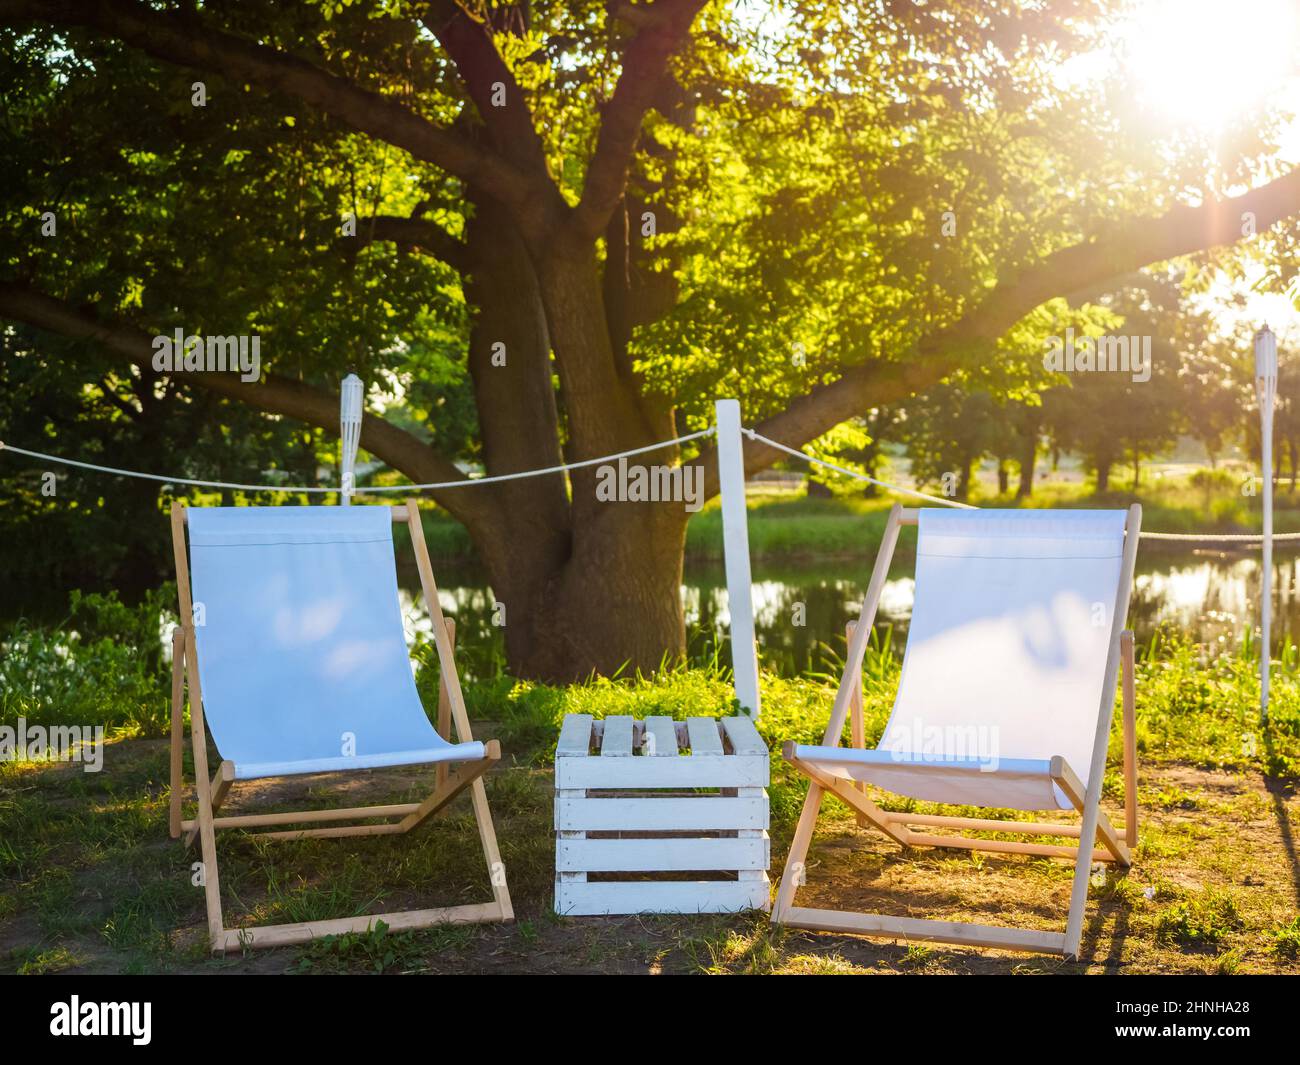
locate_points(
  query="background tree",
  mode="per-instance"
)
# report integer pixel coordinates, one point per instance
(643, 204)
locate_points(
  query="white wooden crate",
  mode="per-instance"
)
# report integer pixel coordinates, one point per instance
(628, 802)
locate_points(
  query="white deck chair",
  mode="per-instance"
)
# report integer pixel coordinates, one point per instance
(1005, 701)
(296, 660)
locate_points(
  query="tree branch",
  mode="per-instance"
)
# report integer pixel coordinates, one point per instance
(421, 233)
(664, 26)
(186, 40)
(1119, 250)
(510, 125)
(278, 395)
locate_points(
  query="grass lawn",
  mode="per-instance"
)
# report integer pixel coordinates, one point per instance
(90, 881)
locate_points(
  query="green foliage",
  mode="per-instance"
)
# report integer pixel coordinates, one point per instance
(1202, 919)
(1285, 939)
(376, 951)
(103, 665)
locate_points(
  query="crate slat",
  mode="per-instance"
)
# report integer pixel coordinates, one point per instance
(695, 771)
(708, 813)
(575, 736)
(705, 738)
(617, 740)
(665, 737)
(659, 855)
(681, 896)
(743, 736)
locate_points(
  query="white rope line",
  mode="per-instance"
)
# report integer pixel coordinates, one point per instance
(160, 477)
(539, 473)
(753, 435)
(1245, 538)
(1229, 537)
(467, 482)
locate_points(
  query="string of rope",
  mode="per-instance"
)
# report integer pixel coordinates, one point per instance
(755, 435)
(1243, 538)
(467, 482)
(539, 473)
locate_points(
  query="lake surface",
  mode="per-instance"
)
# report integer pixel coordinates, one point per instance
(1211, 595)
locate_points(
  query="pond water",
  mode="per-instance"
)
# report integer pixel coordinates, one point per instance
(1212, 596)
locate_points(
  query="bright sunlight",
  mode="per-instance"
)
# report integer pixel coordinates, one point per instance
(1202, 62)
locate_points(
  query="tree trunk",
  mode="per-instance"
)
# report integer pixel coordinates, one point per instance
(1028, 459)
(1004, 477)
(1103, 475)
(614, 604)
(586, 584)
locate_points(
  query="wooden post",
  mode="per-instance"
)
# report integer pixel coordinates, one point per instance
(735, 545)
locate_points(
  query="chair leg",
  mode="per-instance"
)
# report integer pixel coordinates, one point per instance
(444, 709)
(218, 789)
(793, 875)
(207, 833)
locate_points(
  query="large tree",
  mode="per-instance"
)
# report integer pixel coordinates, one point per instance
(647, 204)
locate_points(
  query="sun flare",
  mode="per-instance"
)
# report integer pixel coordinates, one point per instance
(1203, 62)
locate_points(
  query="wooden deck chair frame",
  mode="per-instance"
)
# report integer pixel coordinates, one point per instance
(1114, 845)
(449, 780)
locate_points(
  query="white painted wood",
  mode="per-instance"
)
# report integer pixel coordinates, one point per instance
(575, 736)
(650, 795)
(735, 545)
(743, 736)
(698, 896)
(696, 771)
(617, 740)
(707, 813)
(705, 738)
(664, 737)
(660, 855)
(752, 795)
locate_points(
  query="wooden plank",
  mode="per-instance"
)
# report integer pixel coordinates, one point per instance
(705, 738)
(444, 710)
(304, 932)
(660, 738)
(660, 855)
(1066, 780)
(575, 736)
(707, 813)
(1003, 846)
(617, 740)
(704, 896)
(310, 816)
(743, 736)
(1105, 714)
(909, 928)
(698, 771)
(987, 824)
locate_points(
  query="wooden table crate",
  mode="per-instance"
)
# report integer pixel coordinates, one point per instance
(630, 802)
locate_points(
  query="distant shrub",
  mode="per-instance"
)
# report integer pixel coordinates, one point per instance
(103, 665)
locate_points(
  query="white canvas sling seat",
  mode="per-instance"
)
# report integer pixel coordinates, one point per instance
(302, 655)
(1005, 701)
(1005, 659)
(292, 651)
